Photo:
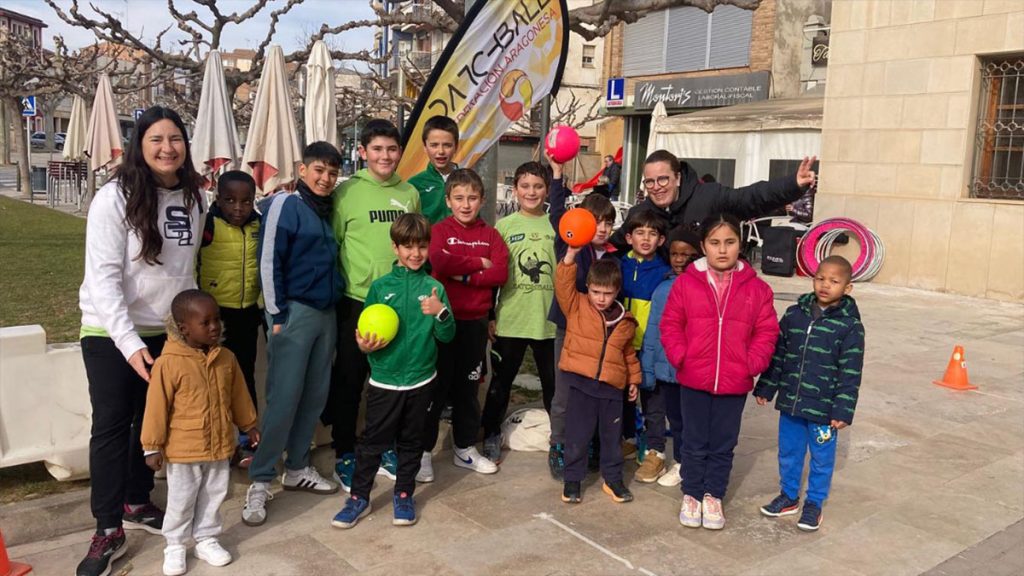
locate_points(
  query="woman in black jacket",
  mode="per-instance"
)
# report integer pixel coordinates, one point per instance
(675, 192)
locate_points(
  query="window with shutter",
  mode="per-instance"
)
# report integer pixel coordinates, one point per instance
(730, 37)
(686, 41)
(644, 46)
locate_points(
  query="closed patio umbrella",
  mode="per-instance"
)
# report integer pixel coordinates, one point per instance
(272, 144)
(103, 141)
(75, 141)
(321, 113)
(215, 147)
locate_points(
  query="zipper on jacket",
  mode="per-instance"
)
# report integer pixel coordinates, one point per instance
(721, 317)
(604, 348)
(241, 302)
(800, 374)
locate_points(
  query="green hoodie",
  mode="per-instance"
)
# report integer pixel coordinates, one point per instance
(410, 359)
(430, 184)
(364, 209)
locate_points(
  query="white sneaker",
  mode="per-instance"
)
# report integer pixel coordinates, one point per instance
(690, 513)
(470, 459)
(254, 513)
(213, 553)
(307, 480)
(174, 560)
(672, 477)
(426, 473)
(714, 516)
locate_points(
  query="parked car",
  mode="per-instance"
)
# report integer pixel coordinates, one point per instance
(39, 140)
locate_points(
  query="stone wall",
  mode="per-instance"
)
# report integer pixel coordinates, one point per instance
(897, 140)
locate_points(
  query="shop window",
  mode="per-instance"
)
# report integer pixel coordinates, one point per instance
(998, 171)
(588, 56)
(723, 170)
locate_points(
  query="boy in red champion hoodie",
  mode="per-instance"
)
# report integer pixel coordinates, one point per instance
(471, 260)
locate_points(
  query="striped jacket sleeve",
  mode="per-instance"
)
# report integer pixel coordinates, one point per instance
(278, 234)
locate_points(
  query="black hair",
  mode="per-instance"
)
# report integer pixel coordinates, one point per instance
(600, 206)
(235, 176)
(605, 273)
(136, 183)
(685, 234)
(533, 169)
(707, 179)
(182, 303)
(410, 228)
(646, 219)
(841, 262)
(714, 221)
(378, 128)
(664, 156)
(443, 123)
(464, 177)
(324, 152)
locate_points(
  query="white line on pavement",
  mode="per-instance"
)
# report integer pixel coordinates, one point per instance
(602, 549)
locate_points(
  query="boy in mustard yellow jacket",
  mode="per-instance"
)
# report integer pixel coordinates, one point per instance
(197, 396)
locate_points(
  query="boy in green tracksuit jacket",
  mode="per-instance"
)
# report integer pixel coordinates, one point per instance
(364, 208)
(401, 372)
(441, 141)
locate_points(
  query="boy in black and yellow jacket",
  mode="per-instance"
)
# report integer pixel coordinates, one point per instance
(402, 372)
(228, 269)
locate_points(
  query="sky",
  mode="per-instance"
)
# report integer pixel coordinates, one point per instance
(149, 17)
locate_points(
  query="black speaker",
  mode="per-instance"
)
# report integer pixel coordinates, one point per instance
(778, 254)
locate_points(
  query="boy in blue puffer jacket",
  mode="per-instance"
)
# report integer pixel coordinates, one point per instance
(659, 376)
(816, 371)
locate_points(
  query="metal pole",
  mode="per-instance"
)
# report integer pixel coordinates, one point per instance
(545, 125)
(28, 149)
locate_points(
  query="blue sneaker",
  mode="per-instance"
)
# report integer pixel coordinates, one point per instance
(388, 465)
(556, 462)
(782, 506)
(810, 519)
(344, 469)
(405, 510)
(355, 509)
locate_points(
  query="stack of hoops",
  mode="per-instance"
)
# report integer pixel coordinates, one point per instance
(817, 243)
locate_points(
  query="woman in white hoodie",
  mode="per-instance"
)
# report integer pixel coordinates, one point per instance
(141, 240)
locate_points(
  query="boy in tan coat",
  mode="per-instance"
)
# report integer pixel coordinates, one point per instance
(197, 396)
(599, 362)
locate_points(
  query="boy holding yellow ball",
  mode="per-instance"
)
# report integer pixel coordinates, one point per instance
(402, 370)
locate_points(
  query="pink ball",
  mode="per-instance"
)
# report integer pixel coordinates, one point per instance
(562, 143)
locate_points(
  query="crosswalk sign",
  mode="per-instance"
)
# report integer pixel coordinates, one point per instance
(28, 106)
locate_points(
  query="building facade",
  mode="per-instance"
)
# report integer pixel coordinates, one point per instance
(922, 139)
(692, 60)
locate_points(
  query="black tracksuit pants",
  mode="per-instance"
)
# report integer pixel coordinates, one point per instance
(394, 418)
(460, 368)
(709, 437)
(241, 332)
(506, 359)
(118, 471)
(348, 377)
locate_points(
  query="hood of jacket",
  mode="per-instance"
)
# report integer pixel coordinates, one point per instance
(847, 306)
(741, 274)
(365, 175)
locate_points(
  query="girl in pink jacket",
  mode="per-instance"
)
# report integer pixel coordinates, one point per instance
(719, 330)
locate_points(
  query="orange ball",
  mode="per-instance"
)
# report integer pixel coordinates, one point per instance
(577, 227)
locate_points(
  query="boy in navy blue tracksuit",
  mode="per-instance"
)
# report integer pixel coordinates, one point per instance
(301, 284)
(816, 372)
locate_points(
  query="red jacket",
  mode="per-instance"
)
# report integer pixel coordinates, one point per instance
(455, 251)
(719, 349)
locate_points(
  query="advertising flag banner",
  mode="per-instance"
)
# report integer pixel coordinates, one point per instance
(505, 57)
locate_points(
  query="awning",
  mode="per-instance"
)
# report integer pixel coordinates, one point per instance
(779, 114)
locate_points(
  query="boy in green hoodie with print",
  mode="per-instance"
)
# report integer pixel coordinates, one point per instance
(441, 141)
(365, 206)
(402, 371)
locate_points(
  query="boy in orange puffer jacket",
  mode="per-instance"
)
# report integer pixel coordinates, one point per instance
(599, 361)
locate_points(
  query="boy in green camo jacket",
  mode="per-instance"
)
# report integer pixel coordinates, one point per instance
(816, 371)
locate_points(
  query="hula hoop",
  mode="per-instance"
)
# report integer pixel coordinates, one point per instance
(816, 245)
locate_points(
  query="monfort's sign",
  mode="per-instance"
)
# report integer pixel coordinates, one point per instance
(702, 92)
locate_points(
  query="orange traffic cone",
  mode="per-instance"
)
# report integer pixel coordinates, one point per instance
(956, 372)
(8, 568)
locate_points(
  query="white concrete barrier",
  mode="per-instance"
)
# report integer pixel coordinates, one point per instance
(45, 414)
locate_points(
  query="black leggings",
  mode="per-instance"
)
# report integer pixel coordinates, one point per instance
(118, 472)
(506, 359)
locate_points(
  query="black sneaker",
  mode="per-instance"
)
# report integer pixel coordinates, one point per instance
(556, 462)
(571, 493)
(782, 506)
(103, 550)
(618, 491)
(148, 517)
(810, 520)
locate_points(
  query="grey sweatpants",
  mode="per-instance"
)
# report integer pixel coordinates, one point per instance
(194, 494)
(560, 401)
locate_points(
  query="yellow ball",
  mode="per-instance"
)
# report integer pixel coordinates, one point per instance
(379, 319)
